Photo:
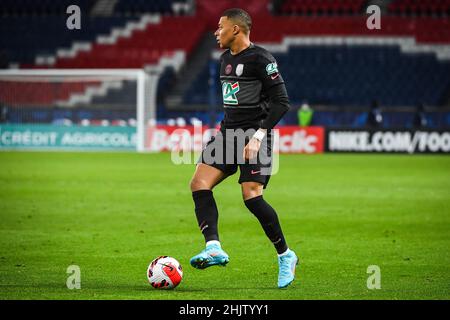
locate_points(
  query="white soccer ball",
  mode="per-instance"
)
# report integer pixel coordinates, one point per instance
(164, 273)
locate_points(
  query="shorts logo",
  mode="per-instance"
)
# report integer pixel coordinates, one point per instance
(272, 68)
(229, 91)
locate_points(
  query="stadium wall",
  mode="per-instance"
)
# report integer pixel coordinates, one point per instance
(391, 141)
(164, 138)
(54, 137)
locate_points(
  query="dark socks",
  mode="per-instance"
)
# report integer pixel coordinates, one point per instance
(269, 221)
(207, 214)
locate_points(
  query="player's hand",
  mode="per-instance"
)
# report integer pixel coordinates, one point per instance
(251, 149)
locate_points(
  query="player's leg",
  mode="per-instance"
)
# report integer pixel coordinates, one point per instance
(252, 193)
(204, 180)
(206, 177)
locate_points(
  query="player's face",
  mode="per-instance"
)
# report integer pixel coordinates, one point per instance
(225, 32)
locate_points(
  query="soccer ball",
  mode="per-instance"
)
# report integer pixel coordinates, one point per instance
(164, 273)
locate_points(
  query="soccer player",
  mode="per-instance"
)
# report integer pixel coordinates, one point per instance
(254, 100)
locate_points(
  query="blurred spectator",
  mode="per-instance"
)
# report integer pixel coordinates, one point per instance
(3, 60)
(375, 118)
(3, 112)
(305, 114)
(275, 6)
(182, 8)
(420, 120)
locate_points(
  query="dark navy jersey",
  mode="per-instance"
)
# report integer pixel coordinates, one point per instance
(246, 78)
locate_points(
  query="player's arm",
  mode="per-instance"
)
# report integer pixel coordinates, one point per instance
(278, 105)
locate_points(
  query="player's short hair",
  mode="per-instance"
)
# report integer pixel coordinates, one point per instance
(241, 17)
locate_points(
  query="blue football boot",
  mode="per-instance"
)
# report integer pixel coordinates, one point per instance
(287, 264)
(211, 256)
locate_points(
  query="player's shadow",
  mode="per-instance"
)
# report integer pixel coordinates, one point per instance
(245, 288)
(118, 289)
(185, 289)
(148, 288)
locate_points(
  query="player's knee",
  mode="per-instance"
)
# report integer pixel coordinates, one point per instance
(199, 184)
(251, 190)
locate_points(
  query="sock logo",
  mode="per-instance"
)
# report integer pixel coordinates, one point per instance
(277, 241)
(203, 226)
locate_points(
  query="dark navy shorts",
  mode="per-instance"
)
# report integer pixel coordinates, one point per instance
(224, 151)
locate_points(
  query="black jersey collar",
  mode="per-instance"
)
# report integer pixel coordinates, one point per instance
(248, 48)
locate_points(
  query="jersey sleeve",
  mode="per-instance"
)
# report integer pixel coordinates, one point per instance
(268, 72)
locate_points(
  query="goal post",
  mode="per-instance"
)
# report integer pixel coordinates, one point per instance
(96, 104)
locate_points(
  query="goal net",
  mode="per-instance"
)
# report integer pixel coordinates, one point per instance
(76, 108)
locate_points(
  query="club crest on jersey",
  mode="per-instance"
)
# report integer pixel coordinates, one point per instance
(228, 69)
(239, 69)
(229, 91)
(272, 68)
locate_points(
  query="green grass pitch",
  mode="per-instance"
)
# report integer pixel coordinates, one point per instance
(112, 213)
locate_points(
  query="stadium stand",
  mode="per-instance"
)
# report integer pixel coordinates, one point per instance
(142, 6)
(24, 39)
(322, 7)
(354, 75)
(420, 8)
(326, 53)
(27, 8)
(142, 47)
